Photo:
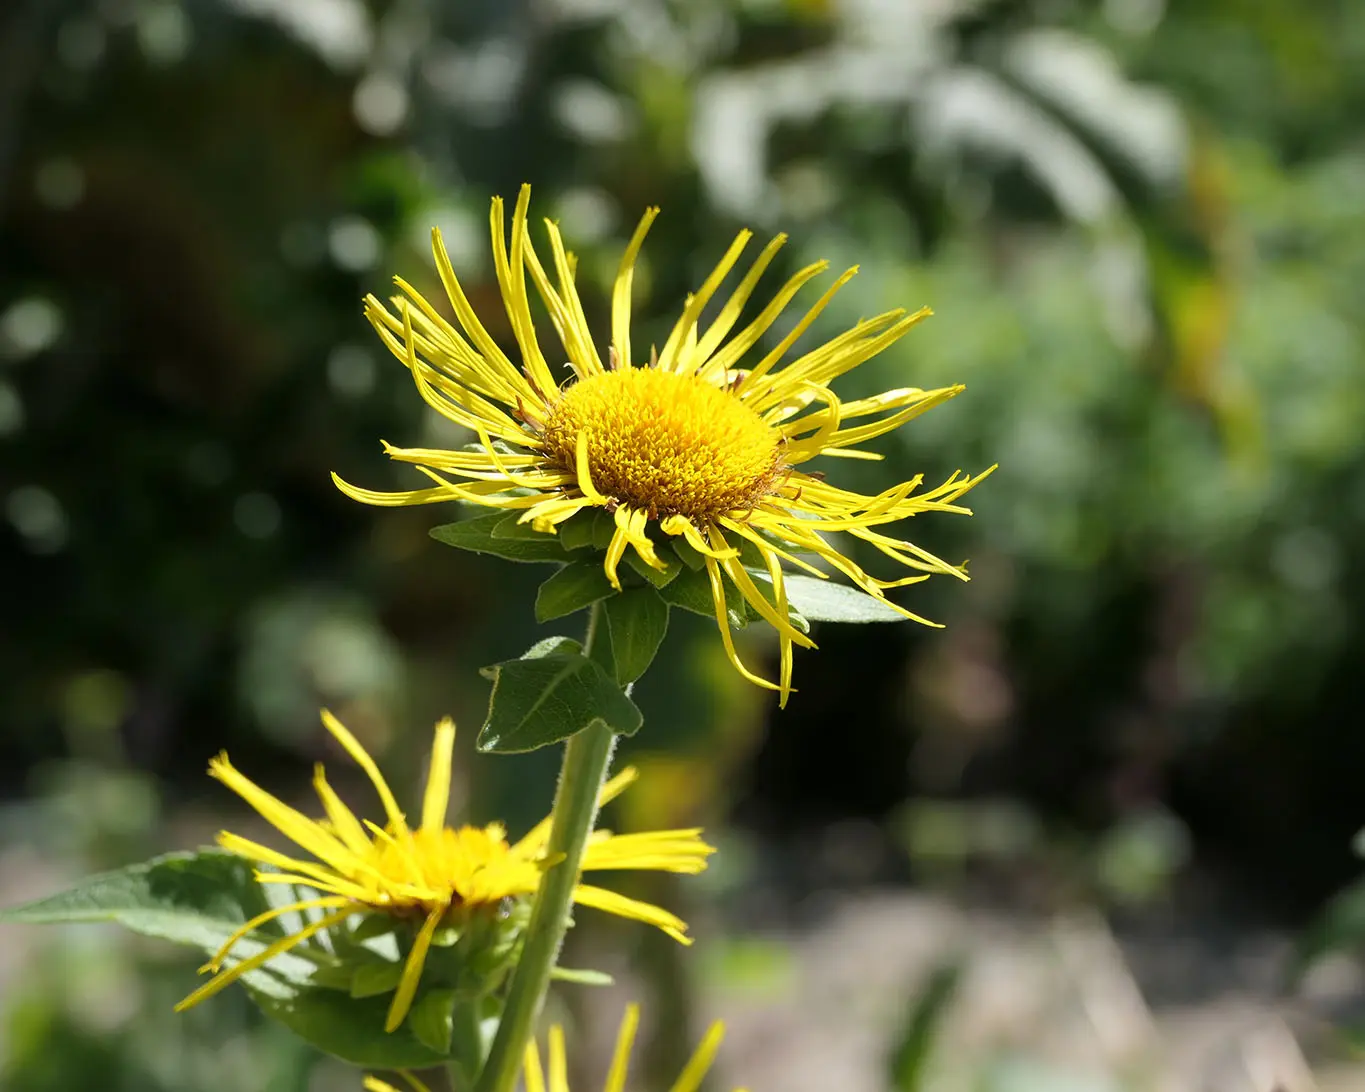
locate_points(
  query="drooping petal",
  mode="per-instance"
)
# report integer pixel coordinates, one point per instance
(226, 978)
(362, 758)
(412, 971)
(622, 906)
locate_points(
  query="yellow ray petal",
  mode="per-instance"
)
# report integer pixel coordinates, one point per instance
(530, 1067)
(362, 759)
(689, 1080)
(620, 292)
(559, 1066)
(226, 978)
(680, 851)
(412, 971)
(613, 902)
(346, 826)
(332, 901)
(437, 797)
(294, 825)
(620, 1058)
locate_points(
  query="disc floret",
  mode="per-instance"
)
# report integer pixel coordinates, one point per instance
(665, 444)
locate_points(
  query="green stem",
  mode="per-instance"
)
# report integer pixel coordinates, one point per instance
(586, 757)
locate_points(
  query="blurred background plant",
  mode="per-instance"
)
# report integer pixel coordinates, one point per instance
(1141, 228)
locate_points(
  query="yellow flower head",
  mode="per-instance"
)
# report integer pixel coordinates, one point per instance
(701, 443)
(429, 874)
(557, 1078)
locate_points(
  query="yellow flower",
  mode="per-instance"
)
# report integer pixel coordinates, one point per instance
(702, 444)
(427, 874)
(689, 1080)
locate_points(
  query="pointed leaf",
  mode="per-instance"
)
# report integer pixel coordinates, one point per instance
(572, 588)
(576, 532)
(499, 534)
(374, 979)
(638, 621)
(692, 591)
(826, 601)
(431, 1019)
(659, 578)
(687, 553)
(189, 898)
(548, 695)
(603, 529)
(200, 899)
(349, 1029)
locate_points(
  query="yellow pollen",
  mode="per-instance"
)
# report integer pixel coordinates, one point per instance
(666, 444)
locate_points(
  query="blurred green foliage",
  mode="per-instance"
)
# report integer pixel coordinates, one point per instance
(1139, 225)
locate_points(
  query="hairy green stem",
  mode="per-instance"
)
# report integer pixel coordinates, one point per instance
(586, 758)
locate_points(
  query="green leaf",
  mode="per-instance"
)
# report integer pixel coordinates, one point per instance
(692, 591)
(200, 899)
(826, 601)
(637, 620)
(374, 979)
(659, 578)
(499, 534)
(430, 1019)
(582, 977)
(576, 532)
(688, 554)
(603, 528)
(190, 898)
(372, 926)
(577, 585)
(350, 1029)
(548, 695)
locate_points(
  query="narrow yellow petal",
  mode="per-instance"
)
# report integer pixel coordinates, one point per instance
(374, 1084)
(686, 325)
(581, 332)
(226, 978)
(750, 382)
(729, 314)
(680, 851)
(412, 971)
(365, 762)
(559, 1066)
(437, 797)
(585, 485)
(530, 1067)
(620, 292)
(617, 785)
(689, 1080)
(723, 621)
(487, 346)
(343, 820)
(294, 825)
(331, 901)
(399, 499)
(620, 1058)
(613, 902)
(616, 549)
